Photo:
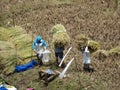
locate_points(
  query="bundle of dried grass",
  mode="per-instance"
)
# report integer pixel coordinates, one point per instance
(100, 54)
(82, 42)
(58, 28)
(15, 45)
(61, 39)
(15, 31)
(22, 41)
(25, 52)
(3, 34)
(4, 45)
(115, 50)
(12, 32)
(10, 64)
(93, 46)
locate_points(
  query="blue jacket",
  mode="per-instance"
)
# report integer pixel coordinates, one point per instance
(41, 42)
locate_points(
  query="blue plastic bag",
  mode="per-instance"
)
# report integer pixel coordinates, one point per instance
(25, 67)
(3, 88)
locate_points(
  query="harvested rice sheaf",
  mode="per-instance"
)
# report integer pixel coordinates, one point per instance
(61, 39)
(16, 31)
(100, 54)
(22, 41)
(58, 28)
(10, 64)
(4, 45)
(82, 42)
(5, 54)
(6, 33)
(15, 45)
(25, 52)
(3, 34)
(93, 46)
(115, 50)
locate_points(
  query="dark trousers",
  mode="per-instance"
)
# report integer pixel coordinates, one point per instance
(87, 68)
(59, 56)
(39, 57)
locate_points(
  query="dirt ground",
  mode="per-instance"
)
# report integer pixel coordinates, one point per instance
(96, 19)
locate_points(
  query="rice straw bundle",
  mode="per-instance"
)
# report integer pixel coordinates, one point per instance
(100, 54)
(4, 45)
(3, 34)
(115, 50)
(22, 41)
(93, 46)
(16, 31)
(82, 42)
(14, 40)
(58, 28)
(61, 39)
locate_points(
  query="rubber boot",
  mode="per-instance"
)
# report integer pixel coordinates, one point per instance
(86, 67)
(90, 69)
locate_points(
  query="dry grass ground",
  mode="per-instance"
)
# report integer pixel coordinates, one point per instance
(97, 19)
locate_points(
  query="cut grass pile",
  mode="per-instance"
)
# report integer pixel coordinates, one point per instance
(61, 39)
(58, 28)
(60, 36)
(15, 45)
(82, 42)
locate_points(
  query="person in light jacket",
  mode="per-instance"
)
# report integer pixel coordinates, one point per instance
(38, 46)
(87, 60)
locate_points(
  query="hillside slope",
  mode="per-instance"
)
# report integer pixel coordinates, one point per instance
(97, 19)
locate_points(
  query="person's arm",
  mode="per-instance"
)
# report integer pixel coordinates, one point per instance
(44, 44)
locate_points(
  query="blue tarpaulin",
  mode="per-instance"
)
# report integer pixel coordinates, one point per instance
(3, 88)
(25, 67)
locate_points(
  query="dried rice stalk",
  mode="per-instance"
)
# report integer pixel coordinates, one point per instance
(5, 54)
(100, 54)
(25, 52)
(16, 31)
(61, 39)
(82, 42)
(4, 45)
(115, 50)
(14, 40)
(22, 41)
(93, 46)
(58, 28)
(3, 34)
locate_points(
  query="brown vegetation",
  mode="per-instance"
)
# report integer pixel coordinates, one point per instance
(93, 18)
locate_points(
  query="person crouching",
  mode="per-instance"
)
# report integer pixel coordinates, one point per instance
(39, 45)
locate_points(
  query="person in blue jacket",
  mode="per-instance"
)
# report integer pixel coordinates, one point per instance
(38, 46)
